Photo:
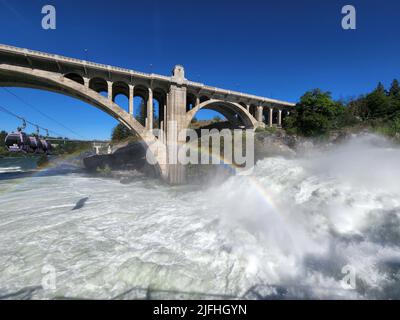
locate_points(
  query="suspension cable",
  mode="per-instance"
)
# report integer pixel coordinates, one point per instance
(7, 111)
(42, 113)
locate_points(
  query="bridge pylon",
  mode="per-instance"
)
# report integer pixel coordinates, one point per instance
(175, 124)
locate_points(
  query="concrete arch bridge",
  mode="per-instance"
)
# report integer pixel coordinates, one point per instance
(178, 98)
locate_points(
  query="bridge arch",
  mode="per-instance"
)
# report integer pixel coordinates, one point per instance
(204, 98)
(230, 110)
(159, 102)
(75, 77)
(245, 106)
(190, 101)
(120, 94)
(141, 91)
(141, 96)
(98, 84)
(120, 88)
(253, 110)
(16, 76)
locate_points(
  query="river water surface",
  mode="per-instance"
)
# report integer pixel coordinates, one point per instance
(286, 230)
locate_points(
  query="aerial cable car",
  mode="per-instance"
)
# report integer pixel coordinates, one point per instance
(35, 142)
(18, 141)
(45, 144)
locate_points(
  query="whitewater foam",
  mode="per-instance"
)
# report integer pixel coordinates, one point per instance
(10, 169)
(285, 231)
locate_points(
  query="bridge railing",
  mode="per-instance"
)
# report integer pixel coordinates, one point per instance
(81, 62)
(239, 94)
(216, 90)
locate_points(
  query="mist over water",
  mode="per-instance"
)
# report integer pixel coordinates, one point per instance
(286, 230)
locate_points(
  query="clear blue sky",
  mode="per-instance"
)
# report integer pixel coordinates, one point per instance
(278, 48)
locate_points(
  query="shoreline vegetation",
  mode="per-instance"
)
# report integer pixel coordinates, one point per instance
(317, 114)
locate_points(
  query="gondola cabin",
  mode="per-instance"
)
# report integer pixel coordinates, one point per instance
(36, 145)
(46, 146)
(17, 142)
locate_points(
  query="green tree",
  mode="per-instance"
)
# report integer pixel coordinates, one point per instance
(290, 124)
(358, 108)
(380, 88)
(394, 95)
(396, 125)
(3, 135)
(315, 114)
(378, 102)
(120, 132)
(394, 90)
(142, 113)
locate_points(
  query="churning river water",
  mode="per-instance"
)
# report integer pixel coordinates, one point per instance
(286, 230)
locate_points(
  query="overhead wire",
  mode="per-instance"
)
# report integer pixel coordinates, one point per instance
(42, 113)
(7, 111)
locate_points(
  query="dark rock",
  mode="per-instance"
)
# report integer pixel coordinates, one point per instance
(130, 157)
(95, 162)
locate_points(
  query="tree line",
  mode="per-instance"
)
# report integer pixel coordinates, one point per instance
(317, 113)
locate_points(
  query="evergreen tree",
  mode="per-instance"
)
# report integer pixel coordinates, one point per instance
(3, 149)
(3, 136)
(395, 89)
(120, 132)
(142, 113)
(378, 102)
(380, 88)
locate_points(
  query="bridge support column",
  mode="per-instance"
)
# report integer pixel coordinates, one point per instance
(176, 122)
(110, 95)
(131, 99)
(259, 114)
(280, 118)
(150, 112)
(164, 128)
(271, 115)
(86, 82)
(197, 101)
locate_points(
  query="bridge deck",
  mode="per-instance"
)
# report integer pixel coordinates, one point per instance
(200, 87)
